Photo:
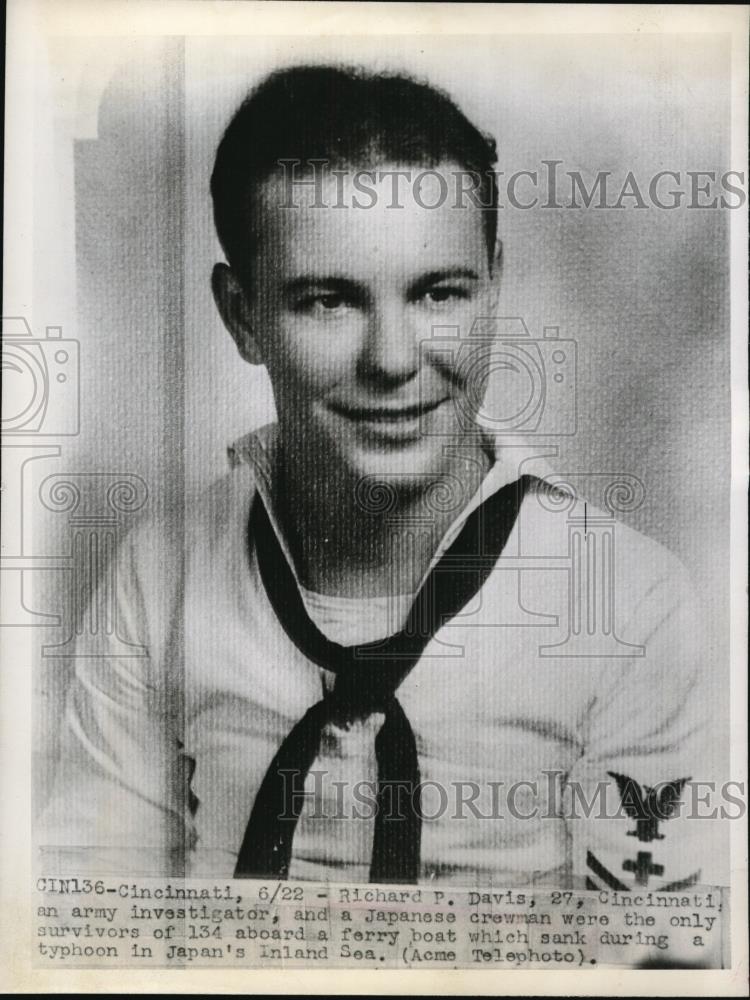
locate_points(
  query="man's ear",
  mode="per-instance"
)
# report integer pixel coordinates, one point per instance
(233, 308)
(496, 273)
(497, 264)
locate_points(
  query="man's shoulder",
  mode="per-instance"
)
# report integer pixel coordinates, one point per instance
(594, 539)
(166, 535)
(218, 506)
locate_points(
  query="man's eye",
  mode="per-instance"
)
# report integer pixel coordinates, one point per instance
(445, 294)
(322, 302)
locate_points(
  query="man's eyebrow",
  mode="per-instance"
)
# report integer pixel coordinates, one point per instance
(446, 274)
(307, 281)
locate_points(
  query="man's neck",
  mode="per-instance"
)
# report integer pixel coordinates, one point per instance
(350, 543)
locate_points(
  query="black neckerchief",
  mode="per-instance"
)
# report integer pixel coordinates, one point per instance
(367, 677)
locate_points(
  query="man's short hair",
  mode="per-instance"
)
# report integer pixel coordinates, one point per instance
(351, 119)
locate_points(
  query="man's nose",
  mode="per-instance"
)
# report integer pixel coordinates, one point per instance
(390, 352)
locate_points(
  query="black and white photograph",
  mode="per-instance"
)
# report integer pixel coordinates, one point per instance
(374, 492)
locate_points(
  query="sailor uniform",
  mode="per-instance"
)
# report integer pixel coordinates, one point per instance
(166, 751)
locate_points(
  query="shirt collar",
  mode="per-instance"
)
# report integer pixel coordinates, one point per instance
(510, 460)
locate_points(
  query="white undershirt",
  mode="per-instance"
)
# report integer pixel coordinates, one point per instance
(353, 620)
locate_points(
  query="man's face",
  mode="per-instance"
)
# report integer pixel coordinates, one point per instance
(341, 300)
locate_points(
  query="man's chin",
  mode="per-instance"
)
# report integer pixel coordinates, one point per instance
(342, 457)
(410, 467)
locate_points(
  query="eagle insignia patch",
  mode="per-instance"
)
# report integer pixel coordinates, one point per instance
(648, 806)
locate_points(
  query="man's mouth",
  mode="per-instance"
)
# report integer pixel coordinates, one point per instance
(386, 414)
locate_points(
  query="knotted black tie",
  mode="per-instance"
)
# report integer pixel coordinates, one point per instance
(367, 677)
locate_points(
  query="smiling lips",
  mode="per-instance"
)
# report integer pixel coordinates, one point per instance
(386, 414)
(395, 424)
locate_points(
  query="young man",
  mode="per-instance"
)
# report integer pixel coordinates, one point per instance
(356, 662)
